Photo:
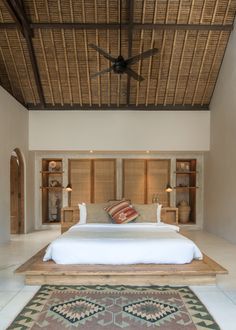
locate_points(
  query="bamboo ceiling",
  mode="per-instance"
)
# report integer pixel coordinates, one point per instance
(46, 63)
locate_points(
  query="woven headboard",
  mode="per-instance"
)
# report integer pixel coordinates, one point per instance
(96, 213)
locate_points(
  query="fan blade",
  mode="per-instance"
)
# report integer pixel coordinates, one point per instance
(102, 52)
(102, 72)
(133, 74)
(141, 56)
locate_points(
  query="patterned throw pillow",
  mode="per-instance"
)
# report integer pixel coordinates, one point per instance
(122, 212)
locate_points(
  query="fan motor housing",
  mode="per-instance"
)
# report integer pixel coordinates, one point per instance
(119, 65)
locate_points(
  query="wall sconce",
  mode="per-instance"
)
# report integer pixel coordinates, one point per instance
(169, 188)
(69, 187)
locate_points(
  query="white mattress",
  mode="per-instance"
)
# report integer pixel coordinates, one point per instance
(122, 244)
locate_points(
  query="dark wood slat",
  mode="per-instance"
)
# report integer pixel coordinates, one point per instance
(130, 42)
(115, 26)
(140, 107)
(35, 69)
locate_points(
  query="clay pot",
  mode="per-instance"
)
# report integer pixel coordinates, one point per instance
(184, 211)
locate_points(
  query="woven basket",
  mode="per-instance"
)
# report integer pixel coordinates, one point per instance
(184, 211)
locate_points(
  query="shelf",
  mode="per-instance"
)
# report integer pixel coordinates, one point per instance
(187, 223)
(186, 187)
(50, 172)
(186, 172)
(52, 188)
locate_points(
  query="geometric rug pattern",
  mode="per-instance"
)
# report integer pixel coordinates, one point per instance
(114, 307)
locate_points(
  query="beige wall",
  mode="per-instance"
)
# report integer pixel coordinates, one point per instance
(13, 134)
(119, 130)
(220, 166)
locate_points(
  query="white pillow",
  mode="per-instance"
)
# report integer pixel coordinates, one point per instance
(82, 213)
(159, 206)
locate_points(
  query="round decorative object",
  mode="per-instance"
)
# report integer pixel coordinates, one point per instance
(55, 183)
(184, 211)
(52, 165)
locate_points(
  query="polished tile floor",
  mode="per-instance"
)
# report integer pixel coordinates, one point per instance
(220, 299)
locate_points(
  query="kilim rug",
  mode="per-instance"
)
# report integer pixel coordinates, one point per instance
(114, 307)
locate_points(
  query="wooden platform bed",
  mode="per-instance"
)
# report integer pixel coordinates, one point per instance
(197, 272)
(38, 272)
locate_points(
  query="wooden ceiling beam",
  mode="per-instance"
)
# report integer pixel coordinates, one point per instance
(140, 107)
(144, 26)
(184, 27)
(8, 25)
(126, 26)
(18, 8)
(18, 14)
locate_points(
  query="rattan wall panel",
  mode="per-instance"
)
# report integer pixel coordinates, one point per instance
(80, 177)
(134, 180)
(104, 180)
(92, 180)
(158, 175)
(144, 178)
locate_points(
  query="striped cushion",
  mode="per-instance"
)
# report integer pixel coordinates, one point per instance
(122, 212)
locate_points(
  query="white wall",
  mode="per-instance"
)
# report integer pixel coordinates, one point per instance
(13, 134)
(220, 167)
(119, 130)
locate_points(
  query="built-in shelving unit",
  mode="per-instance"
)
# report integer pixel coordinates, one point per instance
(52, 187)
(105, 178)
(186, 188)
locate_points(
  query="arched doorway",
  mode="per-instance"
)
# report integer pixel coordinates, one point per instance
(17, 192)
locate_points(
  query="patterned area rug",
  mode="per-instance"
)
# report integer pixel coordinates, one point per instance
(114, 307)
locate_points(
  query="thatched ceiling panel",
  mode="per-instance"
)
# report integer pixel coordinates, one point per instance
(75, 11)
(172, 11)
(16, 64)
(185, 11)
(57, 69)
(4, 14)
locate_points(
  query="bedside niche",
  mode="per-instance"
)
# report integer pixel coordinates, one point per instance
(186, 188)
(52, 188)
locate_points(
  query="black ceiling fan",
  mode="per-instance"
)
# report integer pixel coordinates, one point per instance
(120, 65)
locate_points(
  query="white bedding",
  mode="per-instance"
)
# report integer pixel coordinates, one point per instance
(122, 244)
